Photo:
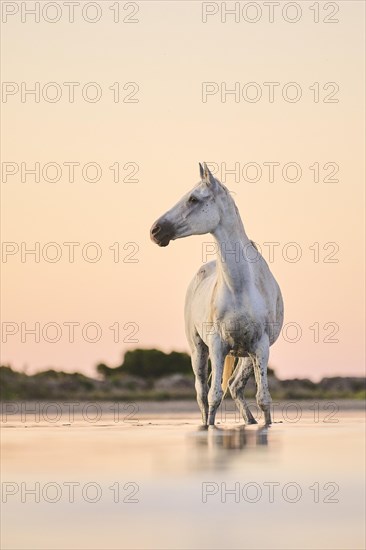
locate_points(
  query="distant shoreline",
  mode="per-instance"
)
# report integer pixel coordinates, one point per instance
(159, 383)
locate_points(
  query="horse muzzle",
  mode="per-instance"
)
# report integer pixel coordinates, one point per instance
(162, 232)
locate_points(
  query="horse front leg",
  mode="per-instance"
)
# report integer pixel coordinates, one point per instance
(260, 361)
(199, 360)
(217, 356)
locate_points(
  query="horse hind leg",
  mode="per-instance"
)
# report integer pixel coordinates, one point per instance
(237, 385)
(199, 360)
(260, 371)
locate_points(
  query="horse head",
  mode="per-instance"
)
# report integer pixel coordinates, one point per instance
(197, 212)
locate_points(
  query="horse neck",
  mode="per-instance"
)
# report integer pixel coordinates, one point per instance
(232, 266)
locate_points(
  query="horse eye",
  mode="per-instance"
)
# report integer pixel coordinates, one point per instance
(192, 199)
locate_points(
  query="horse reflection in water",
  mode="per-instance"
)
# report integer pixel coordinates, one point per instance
(217, 447)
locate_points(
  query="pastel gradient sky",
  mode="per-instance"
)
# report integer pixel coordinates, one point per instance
(169, 53)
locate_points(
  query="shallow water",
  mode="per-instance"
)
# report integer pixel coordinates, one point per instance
(147, 476)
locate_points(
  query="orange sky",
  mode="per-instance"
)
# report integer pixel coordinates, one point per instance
(159, 140)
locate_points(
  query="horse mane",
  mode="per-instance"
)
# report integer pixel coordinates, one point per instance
(229, 194)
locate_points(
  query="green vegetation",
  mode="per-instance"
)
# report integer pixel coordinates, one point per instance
(149, 364)
(153, 374)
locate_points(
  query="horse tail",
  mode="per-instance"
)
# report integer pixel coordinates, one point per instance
(228, 371)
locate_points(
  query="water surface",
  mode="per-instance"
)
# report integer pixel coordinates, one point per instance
(147, 476)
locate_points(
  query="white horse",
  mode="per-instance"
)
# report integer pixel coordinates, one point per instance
(233, 307)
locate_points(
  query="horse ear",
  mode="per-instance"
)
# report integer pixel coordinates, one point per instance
(201, 171)
(207, 176)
